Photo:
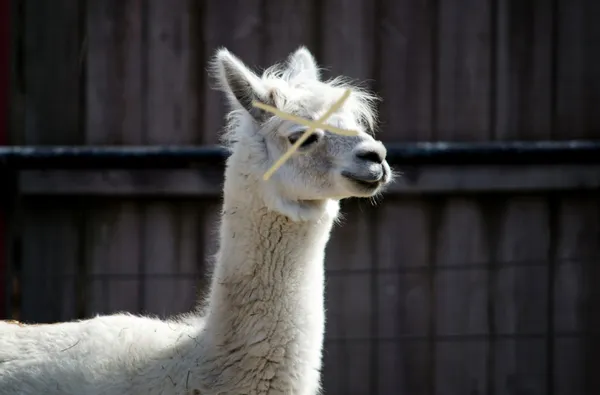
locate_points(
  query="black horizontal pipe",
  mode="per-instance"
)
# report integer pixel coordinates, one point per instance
(410, 154)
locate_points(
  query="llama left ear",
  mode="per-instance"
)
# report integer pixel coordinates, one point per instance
(240, 83)
(302, 62)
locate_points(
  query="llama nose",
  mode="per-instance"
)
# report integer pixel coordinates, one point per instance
(375, 153)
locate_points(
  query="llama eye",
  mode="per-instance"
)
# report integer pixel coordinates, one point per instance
(313, 138)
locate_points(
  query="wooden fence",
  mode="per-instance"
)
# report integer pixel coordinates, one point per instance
(440, 291)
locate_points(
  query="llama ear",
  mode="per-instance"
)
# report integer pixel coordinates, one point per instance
(240, 83)
(302, 62)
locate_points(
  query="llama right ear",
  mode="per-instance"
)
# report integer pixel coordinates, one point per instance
(240, 83)
(302, 62)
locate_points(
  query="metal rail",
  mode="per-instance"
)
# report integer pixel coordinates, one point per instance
(179, 157)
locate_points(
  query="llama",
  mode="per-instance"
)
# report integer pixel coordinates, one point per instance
(261, 327)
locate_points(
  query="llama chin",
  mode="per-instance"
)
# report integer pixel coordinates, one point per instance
(261, 327)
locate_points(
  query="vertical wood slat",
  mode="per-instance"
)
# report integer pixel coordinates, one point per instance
(52, 74)
(348, 38)
(349, 304)
(172, 113)
(404, 288)
(115, 105)
(406, 33)
(113, 253)
(577, 70)
(170, 234)
(5, 96)
(521, 297)
(524, 105)
(5, 272)
(576, 296)
(238, 26)
(53, 46)
(50, 263)
(463, 70)
(461, 298)
(282, 36)
(114, 72)
(172, 259)
(524, 70)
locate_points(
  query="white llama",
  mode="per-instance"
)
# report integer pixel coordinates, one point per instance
(261, 330)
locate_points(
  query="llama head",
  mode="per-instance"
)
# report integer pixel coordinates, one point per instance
(327, 166)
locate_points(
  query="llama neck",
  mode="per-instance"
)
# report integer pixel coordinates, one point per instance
(268, 280)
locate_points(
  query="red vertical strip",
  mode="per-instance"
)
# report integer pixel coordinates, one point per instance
(4, 86)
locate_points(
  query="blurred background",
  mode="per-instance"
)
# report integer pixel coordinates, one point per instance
(473, 279)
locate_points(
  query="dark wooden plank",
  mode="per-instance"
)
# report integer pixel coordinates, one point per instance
(463, 70)
(569, 373)
(171, 117)
(11, 55)
(50, 252)
(521, 298)
(281, 36)
(10, 92)
(520, 366)
(115, 105)
(406, 69)
(578, 70)
(52, 71)
(349, 302)
(179, 244)
(53, 53)
(411, 367)
(114, 72)
(461, 298)
(171, 242)
(404, 298)
(113, 251)
(576, 299)
(208, 182)
(460, 366)
(334, 356)
(238, 26)
(461, 241)
(524, 70)
(347, 37)
(172, 94)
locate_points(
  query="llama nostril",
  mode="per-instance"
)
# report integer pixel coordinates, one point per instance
(371, 156)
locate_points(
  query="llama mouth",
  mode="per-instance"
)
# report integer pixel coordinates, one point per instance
(369, 184)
